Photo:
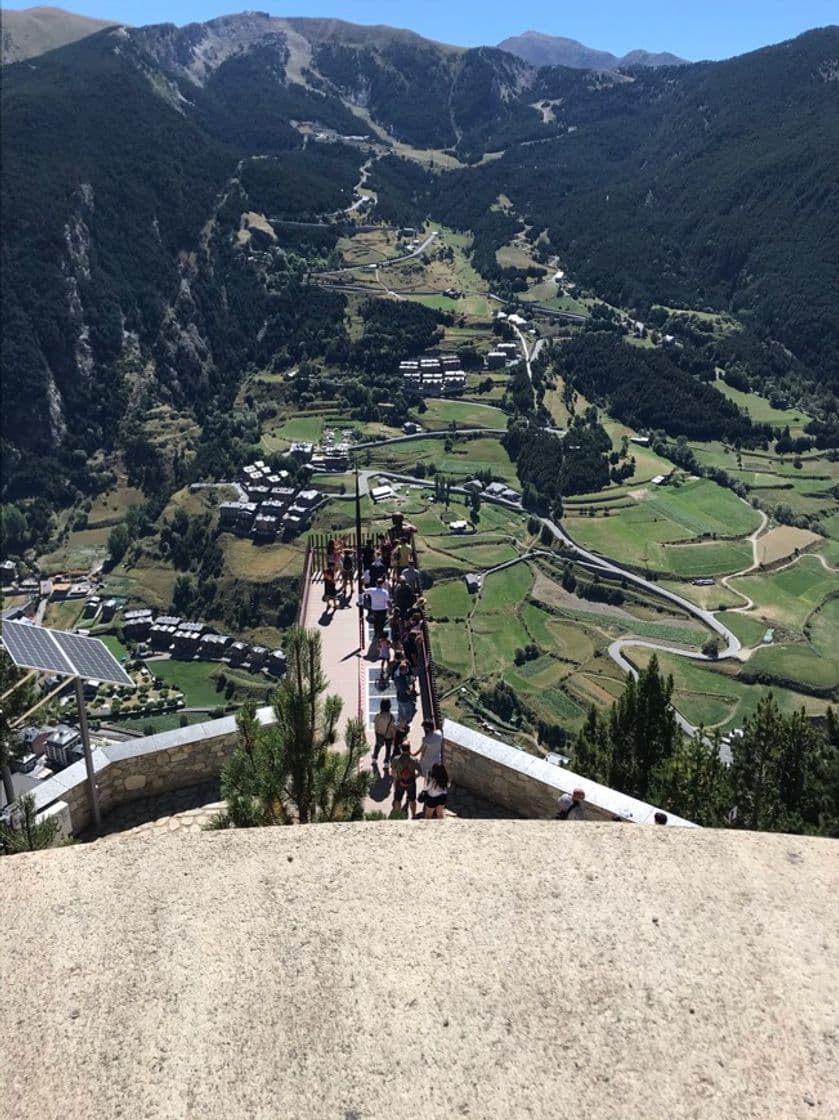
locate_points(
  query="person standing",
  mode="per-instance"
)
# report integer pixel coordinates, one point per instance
(348, 571)
(431, 748)
(379, 599)
(404, 770)
(403, 682)
(384, 728)
(329, 594)
(436, 792)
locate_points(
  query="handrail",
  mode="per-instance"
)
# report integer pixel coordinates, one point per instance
(303, 602)
(426, 675)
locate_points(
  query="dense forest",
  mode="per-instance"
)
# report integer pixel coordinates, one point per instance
(649, 389)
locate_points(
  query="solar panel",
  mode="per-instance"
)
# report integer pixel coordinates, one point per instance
(91, 658)
(33, 647)
(56, 651)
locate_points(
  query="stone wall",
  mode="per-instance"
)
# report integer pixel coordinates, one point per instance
(141, 767)
(492, 770)
(530, 786)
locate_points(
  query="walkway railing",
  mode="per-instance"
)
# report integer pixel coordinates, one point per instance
(426, 673)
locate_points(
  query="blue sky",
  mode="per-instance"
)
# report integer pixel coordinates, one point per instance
(694, 29)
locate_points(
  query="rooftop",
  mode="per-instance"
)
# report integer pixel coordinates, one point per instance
(469, 968)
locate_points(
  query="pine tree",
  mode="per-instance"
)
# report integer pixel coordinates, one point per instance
(694, 781)
(286, 773)
(12, 707)
(29, 834)
(593, 749)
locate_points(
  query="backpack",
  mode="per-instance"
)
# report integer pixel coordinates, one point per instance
(405, 774)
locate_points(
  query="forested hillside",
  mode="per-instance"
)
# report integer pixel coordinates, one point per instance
(132, 159)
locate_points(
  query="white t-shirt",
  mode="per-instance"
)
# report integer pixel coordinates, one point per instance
(431, 751)
(379, 598)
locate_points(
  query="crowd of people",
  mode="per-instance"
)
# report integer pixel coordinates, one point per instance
(394, 605)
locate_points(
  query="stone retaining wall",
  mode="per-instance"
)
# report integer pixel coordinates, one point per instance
(156, 764)
(530, 786)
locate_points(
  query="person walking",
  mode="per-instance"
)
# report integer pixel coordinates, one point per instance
(403, 682)
(377, 570)
(570, 806)
(403, 597)
(379, 599)
(384, 728)
(404, 769)
(383, 652)
(436, 792)
(411, 575)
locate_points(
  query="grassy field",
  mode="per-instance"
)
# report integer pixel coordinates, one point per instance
(788, 596)
(114, 645)
(796, 663)
(81, 551)
(823, 630)
(700, 506)
(715, 697)
(306, 428)
(63, 615)
(713, 558)
(646, 533)
(195, 679)
(465, 458)
(440, 413)
(746, 625)
(762, 411)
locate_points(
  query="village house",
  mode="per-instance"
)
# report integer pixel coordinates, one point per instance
(237, 516)
(136, 625)
(212, 646)
(64, 746)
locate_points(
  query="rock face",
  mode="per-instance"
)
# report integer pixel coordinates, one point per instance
(34, 31)
(554, 50)
(549, 969)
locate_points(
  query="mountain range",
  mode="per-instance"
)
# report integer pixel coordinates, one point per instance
(553, 50)
(34, 31)
(131, 156)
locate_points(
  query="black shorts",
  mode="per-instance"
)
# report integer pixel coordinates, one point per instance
(436, 802)
(399, 792)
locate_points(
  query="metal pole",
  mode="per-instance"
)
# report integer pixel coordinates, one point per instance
(88, 757)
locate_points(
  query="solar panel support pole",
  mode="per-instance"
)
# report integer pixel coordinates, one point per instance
(88, 757)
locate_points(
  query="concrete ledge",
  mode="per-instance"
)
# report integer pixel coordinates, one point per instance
(530, 786)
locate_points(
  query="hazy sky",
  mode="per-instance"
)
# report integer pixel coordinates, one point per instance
(694, 29)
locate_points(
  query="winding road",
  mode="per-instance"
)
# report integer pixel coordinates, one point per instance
(732, 646)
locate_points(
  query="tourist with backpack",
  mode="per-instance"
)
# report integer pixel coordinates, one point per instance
(404, 770)
(384, 728)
